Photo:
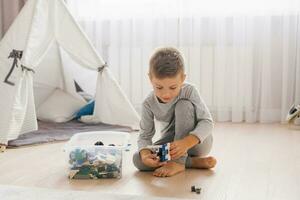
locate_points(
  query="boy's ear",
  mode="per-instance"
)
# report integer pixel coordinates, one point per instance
(183, 77)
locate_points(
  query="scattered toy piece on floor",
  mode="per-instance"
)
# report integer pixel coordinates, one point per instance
(193, 189)
(198, 190)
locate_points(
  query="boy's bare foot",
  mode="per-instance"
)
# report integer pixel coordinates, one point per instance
(169, 169)
(203, 163)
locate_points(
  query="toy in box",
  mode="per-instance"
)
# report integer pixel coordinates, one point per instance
(97, 154)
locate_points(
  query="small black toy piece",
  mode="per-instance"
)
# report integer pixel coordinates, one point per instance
(198, 190)
(193, 189)
(99, 143)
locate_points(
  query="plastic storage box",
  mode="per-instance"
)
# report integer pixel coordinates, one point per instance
(97, 154)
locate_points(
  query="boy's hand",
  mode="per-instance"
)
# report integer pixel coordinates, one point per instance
(151, 160)
(178, 148)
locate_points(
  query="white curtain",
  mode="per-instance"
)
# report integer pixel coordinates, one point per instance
(244, 56)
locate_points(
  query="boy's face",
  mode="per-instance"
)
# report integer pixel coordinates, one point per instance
(167, 89)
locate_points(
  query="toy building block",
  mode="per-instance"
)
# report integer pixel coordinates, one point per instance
(196, 190)
(162, 151)
(193, 189)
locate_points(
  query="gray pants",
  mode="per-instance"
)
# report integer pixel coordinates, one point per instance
(184, 123)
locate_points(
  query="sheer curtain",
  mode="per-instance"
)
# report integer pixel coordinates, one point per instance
(243, 56)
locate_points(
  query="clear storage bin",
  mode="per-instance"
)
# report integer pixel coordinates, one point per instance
(90, 161)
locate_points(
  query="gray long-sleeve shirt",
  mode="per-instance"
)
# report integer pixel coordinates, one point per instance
(164, 112)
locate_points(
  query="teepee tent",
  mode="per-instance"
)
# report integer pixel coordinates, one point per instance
(45, 49)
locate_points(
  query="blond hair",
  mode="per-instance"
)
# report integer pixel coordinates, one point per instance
(166, 62)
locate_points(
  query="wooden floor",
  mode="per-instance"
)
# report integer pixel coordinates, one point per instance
(255, 161)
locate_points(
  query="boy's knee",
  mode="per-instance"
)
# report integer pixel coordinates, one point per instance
(184, 106)
(138, 163)
(185, 112)
(203, 148)
(136, 159)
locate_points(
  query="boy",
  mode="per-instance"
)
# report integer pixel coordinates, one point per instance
(186, 119)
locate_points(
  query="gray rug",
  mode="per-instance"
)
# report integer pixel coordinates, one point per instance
(52, 132)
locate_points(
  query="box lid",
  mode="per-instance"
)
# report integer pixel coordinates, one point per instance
(88, 139)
